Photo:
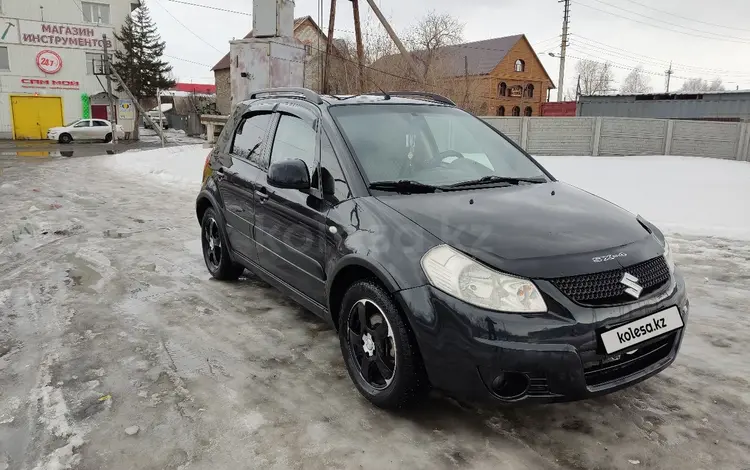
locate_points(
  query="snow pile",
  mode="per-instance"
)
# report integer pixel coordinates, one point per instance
(182, 166)
(700, 196)
(174, 136)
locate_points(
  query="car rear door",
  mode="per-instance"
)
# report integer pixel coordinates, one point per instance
(240, 167)
(289, 223)
(99, 129)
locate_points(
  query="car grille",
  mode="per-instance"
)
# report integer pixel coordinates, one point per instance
(604, 288)
(620, 365)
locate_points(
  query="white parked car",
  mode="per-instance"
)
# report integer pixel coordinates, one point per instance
(85, 129)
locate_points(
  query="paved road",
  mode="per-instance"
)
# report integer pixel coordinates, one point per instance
(109, 320)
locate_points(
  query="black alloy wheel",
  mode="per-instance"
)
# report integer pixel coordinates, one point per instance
(371, 343)
(215, 250)
(65, 139)
(379, 349)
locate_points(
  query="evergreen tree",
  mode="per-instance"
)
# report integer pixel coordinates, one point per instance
(139, 58)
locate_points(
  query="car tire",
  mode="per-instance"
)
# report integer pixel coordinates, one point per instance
(108, 138)
(396, 352)
(65, 138)
(216, 250)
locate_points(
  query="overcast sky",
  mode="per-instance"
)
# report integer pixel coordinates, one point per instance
(703, 38)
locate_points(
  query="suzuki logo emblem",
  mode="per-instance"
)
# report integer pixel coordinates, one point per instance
(631, 284)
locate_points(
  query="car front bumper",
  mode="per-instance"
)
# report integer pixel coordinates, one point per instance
(477, 354)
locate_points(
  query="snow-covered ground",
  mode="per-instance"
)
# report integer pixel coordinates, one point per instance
(174, 136)
(688, 195)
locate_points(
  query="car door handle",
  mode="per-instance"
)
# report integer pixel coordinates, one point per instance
(262, 194)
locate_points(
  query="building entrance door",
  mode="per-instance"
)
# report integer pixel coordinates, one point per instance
(99, 111)
(34, 115)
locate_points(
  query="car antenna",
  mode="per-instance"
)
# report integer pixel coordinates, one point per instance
(385, 93)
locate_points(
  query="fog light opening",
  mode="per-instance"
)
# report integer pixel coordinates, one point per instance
(510, 385)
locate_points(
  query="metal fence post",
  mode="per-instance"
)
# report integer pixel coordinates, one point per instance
(597, 136)
(524, 133)
(668, 139)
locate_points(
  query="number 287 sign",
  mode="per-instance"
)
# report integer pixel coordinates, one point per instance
(48, 61)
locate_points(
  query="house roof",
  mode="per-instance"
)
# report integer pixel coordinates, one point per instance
(483, 56)
(224, 62)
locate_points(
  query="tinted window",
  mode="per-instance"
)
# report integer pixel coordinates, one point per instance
(248, 140)
(83, 124)
(335, 188)
(100, 124)
(294, 139)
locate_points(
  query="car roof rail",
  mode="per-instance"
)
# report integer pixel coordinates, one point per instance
(308, 95)
(420, 94)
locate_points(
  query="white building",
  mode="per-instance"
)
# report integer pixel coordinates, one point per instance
(47, 53)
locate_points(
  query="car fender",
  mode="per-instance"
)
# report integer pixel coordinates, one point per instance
(209, 193)
(355, 259)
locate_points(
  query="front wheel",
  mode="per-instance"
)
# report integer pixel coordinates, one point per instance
(65, 139)
(216, 250)
(379, 350)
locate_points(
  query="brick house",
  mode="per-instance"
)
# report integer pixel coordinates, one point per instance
(306, 31)
(505, 76)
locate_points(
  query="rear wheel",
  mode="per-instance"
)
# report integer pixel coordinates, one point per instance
(108, 138)
(65, 139)
(215, 249)
(380, 353)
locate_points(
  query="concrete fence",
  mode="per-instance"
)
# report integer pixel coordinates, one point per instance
(610, 136)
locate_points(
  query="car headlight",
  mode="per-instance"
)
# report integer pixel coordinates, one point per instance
(458, 275)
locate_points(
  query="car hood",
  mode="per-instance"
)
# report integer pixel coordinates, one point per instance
(56, 129)
(537, 230)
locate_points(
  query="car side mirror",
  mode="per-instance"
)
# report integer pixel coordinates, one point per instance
(289, 174)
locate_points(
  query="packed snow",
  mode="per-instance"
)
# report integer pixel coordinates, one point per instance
(697, 196)
(174, 136)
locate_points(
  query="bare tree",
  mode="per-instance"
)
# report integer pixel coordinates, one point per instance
(596, 78)
(431, 35)
(699, 84)
(636, 82)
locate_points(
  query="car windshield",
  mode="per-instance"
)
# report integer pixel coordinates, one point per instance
(72, 123)
(431, 145)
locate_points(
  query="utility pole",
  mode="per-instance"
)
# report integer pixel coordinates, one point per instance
(466, 81)
(138, 106)
(669, 75)
(360, 46)
(563, 49)
(161, 114)
(113, 106)
(578, 88)
(329, 49)
(394, 37)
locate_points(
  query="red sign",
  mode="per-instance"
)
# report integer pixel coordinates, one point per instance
(49, 61)
(50, 84)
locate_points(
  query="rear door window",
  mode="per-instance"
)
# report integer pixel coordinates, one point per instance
(249, 137)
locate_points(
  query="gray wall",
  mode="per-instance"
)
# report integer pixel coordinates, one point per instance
(710, 105)
(608, 136)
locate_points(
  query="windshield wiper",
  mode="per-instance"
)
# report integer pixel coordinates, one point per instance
(493, 179)
(404, 186)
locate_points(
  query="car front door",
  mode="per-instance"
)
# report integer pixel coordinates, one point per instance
(80, 130)
(290, 223)
(240, 168)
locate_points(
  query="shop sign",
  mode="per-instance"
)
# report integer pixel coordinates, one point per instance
(125, 110)
(40, 33)
(46, 83)
(49, 61)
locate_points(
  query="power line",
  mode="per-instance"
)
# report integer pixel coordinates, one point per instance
(593, 44)
(212, 7)
(693, 35)
(188, 29)
(185, 60)
(689, 19)
(669, 23)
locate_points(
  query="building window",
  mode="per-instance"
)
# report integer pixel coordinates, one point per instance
(520, 65)
(4, 60)
(95, 12)
(501, 89)
(516, 91)
(527, 111)
(501, 111)
(95, 63)
(516, 111)
(529, 91)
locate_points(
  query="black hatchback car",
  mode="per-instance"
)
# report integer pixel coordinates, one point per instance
(442, 253)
